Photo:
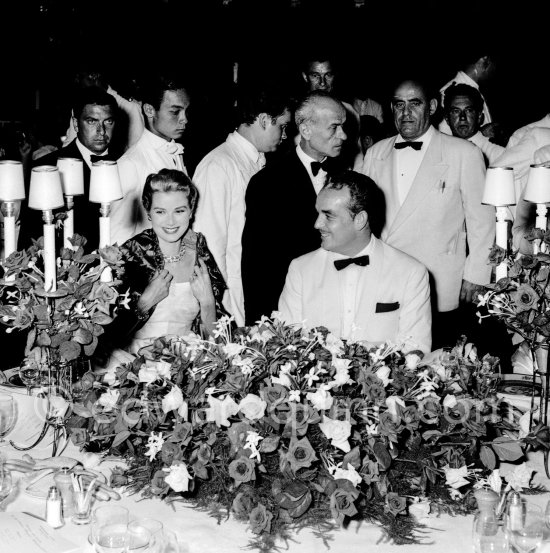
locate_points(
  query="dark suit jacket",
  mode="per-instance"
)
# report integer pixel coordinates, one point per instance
(86, 214)
(280, 214)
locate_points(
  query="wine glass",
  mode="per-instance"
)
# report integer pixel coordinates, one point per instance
(528, 530)
(6, 484)
(8, 415)
(29, 373)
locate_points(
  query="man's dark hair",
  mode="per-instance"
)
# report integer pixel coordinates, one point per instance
(318, 56)
(152, 89)
(461, 89)
(92, 95)
(430, 91)
(365, 195)
(252, 101)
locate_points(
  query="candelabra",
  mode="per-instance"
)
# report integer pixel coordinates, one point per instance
(46, 195)
(499, 191)
(12, 190)
(537, 191)
(72, 180)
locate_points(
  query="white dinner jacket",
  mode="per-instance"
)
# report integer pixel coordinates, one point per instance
(441, 213)
(393, 281)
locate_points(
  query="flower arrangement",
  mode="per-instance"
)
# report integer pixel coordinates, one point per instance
(64, 325)
(287, 428)
(522, 302)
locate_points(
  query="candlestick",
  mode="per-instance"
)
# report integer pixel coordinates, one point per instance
(71, 171)
(68, 224)
(499, 191)
(46, 195)
(12, 191)
(537, 191)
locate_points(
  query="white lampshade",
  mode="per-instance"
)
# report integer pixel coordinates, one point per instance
(499, 187)
(104, 182)
(46, 192)
(538, 184)
(71, 170)
(12, 181)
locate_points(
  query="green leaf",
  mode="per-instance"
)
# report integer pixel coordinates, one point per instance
(382, 455)
(83, 336)
(269, 444)
(69, 350)
(121, 437)
(90, 348)
(101, 318)
(506, 449)
(488, 457)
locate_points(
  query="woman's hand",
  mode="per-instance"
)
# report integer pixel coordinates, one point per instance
(156, 290)
(201, 285)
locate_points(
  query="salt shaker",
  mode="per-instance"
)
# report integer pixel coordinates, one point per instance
(514, 511)
(54, 517)
(64, 483)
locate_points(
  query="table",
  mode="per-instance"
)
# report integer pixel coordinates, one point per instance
(203, 534)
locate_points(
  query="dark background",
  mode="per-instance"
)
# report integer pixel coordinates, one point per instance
(43, 44)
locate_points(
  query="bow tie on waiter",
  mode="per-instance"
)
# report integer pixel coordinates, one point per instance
(106, 157)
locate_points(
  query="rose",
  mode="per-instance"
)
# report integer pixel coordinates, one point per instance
(23, 319)
(337, 431)
(204, 453)
(376, 393)
(320, 399)
(112, 255)
(170, 452)
(178, 477)
(147, 374)
(389, 427)
(383, 373)
(158, 483)
(104, 291)
(525, 298)
(300, 454)
(118, 477)
(395, 504)
(496, 255)
(300, 417)
(16, 260)
(242, 504)
(342, 501)
(252, 407)
(456, 478)
(108, 399)
(260, 519)
(242, 470)
(172, 400)
(412, 360)
(275, 394)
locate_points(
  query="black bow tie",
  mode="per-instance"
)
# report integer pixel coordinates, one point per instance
(413, 145)
(316, 165)
(107, 157)
(362, 261)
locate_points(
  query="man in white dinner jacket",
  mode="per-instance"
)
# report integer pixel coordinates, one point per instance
(356, 285)
(433, 186)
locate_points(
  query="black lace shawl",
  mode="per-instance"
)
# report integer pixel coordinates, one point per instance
(142, 258)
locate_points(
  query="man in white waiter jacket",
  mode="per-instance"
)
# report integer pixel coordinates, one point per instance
(356, 285)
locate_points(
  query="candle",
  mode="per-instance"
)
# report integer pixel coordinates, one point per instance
(71, 171)
(12, 190)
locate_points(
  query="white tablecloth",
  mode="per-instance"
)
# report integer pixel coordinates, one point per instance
(203, 534)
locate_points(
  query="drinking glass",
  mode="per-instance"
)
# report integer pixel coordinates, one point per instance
(108, 528)
(6, 484)
(8, 415)
(153, 526)
(138, 539)
(29, 373)
(83, 499)
(527, 532)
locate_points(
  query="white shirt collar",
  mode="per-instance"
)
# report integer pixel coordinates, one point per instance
(426, 138)
(86, 154)
(247, 147)
(306, 159)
